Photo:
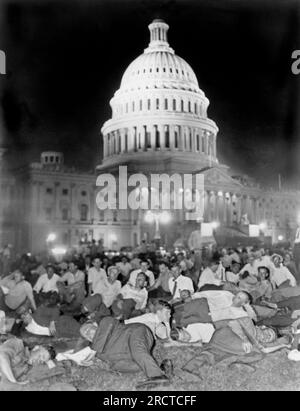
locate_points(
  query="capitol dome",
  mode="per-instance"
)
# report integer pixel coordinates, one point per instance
(159, 108)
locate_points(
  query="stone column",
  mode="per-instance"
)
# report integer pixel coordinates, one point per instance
(56, 204)
(152, 136)
(73, 202)
(180, 138)
(122, 148)
(193, 148)
(172, 137)
(162, 136)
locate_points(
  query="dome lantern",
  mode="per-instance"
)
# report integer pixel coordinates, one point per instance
(158, 37)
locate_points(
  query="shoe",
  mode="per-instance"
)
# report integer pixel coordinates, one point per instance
(154, 381)
(167, 367)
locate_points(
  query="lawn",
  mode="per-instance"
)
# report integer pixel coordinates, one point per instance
(274, 372)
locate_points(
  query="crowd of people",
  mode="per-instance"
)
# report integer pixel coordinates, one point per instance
(224, 300)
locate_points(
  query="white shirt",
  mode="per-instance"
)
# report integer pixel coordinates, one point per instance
(220, 305)
(183, 283)
(208, 277)
(46, 285)
(282, 274)
(140, 296)
(252, 269)
(152, 321)
(200, 332)
(95, 276)
(108, 291)
(36, 329)
(148, 273)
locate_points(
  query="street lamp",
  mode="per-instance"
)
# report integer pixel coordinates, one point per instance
(215, 225)
(51, 237)
(280, 238)
(158, 217)
(262, 226)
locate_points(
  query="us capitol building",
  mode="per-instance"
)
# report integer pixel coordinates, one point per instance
(159, 124)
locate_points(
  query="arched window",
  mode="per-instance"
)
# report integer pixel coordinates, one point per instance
(166, 104)
(176, 139)
(167, 137)
(157, 104)
(182, 106)
(198, 142)
(149, 104)
(84, 212)
(195, 108)
(141, 105)
(189, 107)
(174, 104)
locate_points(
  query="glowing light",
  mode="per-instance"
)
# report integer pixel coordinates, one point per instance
(149, 217)
(262, 226)
(57, 251)
(51, 237)
(220, 193)
(280, 237)
(165, 217)
(215, 224)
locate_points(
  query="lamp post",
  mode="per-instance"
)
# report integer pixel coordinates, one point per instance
(157, 217)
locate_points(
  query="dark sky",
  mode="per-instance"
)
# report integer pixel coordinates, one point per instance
(65, 59)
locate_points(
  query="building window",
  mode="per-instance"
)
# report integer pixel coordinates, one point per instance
(174, 104)
(65, 192)
(65, 214)
(157, 104)
(198, 142)
(115, 216)
(196, 108)
(141, 105)
(83, 193)
(167, 137)
(182, 106)
(49, 191)
(157, 142)
(84, 212)
(149, 104)
(101, 215)
(166, 104)
(189, 107)
(51, 159)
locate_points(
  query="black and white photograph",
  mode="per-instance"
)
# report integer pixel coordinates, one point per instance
(149, 198)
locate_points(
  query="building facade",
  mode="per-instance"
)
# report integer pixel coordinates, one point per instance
(159, 125)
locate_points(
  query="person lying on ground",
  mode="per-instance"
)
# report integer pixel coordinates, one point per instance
(127, 348)
(93, 309)
(15, 292)
(15, 358)
(158, 321)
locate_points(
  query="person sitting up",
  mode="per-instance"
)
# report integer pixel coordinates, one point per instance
(15, 359)
(209, 276)
(178, 283)
(47, 284)
(72, 287)
(125, 268)
(95, 275)
(15, 293)
(161, 286)
(232, 275)
(144, 268)
(132, 300)
(281, 276)
(127, 348)
(109, 289)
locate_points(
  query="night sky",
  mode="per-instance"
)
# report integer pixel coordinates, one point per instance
(65, 60)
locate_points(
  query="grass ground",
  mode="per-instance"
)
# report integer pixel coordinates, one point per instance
(274, 372)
